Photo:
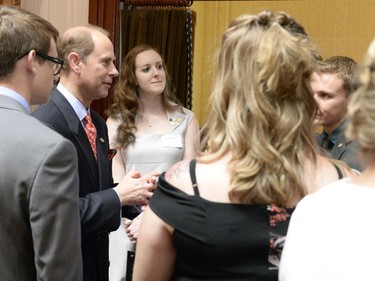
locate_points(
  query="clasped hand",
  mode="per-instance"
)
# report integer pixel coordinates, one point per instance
(135, 189)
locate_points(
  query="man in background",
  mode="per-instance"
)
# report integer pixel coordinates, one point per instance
(39, 207)
(333, 86)
(87, 75)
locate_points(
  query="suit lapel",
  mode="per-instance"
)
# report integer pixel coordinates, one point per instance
(78, 132)
(340, 147)
(102, 146)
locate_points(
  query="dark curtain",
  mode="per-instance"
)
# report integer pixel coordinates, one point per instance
(170, 30)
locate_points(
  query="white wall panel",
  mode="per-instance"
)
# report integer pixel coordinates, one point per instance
(62, 14)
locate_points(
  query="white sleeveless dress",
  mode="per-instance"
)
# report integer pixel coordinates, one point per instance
(148, 153)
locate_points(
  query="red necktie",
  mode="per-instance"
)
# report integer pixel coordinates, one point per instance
(91, 133)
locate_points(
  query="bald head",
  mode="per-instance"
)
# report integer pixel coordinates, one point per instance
(89, 56)
(80, 40)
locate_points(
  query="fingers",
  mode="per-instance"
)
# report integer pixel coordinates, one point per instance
(143, 208)
(150, 179)
(153, 174)
(128, 231)
(153, 180)
(149, 194)
(132, 230)
(131, 236)
(133, 189)
(144, 198)
(134, 173)
(127, 222)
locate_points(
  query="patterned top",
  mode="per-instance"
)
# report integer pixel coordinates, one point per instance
(279, 221)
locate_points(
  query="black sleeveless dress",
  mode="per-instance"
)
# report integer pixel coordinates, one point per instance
(221, 241)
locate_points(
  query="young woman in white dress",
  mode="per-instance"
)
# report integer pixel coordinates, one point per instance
(150, 130)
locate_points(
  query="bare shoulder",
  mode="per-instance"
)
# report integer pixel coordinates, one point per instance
(110, 121)
(178, 175)
(111, 125)
(178, 170)
(112, 131)
(328, 171)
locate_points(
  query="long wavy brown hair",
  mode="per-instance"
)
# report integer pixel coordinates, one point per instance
(262, 108)
(126, 102)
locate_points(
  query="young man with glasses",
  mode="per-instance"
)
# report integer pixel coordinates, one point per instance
(56, 63)
(39, 208)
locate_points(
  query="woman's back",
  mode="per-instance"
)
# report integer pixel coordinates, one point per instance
(219, 240)
(216, 238)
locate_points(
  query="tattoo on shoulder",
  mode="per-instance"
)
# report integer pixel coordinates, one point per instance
(177, 170)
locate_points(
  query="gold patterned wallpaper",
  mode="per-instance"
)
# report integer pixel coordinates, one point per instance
(338, 27)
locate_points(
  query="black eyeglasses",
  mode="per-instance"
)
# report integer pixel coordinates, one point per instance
(56, 63)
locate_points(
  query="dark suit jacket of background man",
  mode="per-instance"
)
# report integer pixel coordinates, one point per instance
(344, 150)
(100, 208)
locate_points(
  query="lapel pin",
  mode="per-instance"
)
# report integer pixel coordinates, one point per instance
(174, 121)
(101, 140)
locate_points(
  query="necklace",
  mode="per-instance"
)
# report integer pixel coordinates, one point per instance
(147, 120)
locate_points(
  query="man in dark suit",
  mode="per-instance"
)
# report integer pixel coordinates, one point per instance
(89, 72)
(39, 207)
(333, 86)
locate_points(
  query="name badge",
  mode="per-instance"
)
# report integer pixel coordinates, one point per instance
(172, 140)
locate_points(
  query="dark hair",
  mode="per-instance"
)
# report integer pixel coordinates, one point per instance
(20, 32)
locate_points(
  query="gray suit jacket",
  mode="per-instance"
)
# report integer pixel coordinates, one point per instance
(344, 150)
(39, 203)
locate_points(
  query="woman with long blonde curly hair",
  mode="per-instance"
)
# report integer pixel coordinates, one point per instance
(224, 215)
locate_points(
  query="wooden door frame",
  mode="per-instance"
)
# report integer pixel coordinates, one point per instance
(105, 13)
(10, 2)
